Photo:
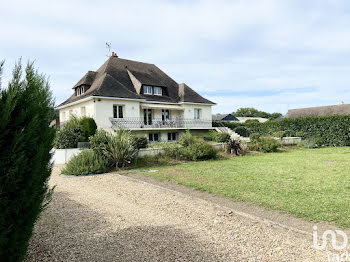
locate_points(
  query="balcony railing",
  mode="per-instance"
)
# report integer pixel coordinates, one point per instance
(137, 123)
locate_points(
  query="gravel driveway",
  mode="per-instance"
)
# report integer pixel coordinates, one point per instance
(117, 218)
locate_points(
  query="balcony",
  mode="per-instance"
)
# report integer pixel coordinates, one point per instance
(178, 123)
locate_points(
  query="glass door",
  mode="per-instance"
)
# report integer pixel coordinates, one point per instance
(147, 116)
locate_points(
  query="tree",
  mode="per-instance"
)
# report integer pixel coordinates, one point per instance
(26, 110)
(253, 112)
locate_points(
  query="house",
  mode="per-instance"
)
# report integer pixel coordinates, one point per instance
(342, 109)
(232, 118)
(139, 97)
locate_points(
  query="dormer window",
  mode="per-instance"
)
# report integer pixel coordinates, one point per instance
(157, 90)
(147, 90)
(152, 90)
(80, 90)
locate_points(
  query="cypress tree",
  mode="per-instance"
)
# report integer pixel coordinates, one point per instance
(26, 110)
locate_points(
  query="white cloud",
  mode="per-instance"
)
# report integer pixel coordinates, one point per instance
(253, 48)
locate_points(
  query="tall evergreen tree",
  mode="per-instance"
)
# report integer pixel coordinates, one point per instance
(26, 110)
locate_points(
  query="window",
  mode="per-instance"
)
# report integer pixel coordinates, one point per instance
(172, 136)
(157, 90)
(82, 111)
(118, 111)
(165, 114)
(197, 113)
(80, 90)
(153, 137)
(63, 117)
(147, 116)
(147, 90)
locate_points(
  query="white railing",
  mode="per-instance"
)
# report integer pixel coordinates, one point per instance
(136, 123)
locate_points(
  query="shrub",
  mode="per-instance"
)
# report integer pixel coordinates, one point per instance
(222, 137)
(242, 131)
(98, 142)
(196, 149)
(254, 137)
(26, 110)
(70, 134)
(186, 139)
(268, 144)
(290, 133)
(174, 150)
(279, 134)
(120, 149)
(140, 141)
(313, 142)
(300, 134)
(200, 151)
(87, 162)
(88, 127)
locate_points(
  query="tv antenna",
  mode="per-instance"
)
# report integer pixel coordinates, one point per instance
(108, 46)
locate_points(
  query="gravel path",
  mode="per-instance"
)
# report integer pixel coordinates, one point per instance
(117, 218)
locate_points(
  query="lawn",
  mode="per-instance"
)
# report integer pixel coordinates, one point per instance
(313, 184)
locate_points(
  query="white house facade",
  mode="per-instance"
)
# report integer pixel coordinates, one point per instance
(140, 97)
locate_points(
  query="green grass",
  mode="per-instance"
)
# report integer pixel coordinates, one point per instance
(313, 184)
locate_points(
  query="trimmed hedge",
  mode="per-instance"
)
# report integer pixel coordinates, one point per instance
(333, 130)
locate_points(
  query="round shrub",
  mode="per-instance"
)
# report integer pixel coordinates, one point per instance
(242, 131)
(87, 162)
(70, 134)
(200, 150)
(140, 141)
(268, 144)
(89, 127)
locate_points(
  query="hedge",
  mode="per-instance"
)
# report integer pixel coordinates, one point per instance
(334, 130)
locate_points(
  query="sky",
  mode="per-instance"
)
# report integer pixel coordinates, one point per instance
(273, 55)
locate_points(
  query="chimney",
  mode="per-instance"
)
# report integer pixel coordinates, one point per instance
(114, 54)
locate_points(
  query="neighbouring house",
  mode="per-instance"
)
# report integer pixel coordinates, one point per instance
(140, 97)
(342, 109)
(232, 118)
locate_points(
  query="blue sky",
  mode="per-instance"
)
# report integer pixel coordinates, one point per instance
(273, 55)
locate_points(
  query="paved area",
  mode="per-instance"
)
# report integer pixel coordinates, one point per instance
(118, 218)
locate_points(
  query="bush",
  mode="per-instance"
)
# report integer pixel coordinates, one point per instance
(254, 137)
(98, 142)
(87, 162)
(313, 142)
(26, 110)
(70, 134)
(279, 134)
(242, 131)
(222, 137)
(200, 151)
(140, 141)
(268, 144)
(186, 139)
(119, 149)
(300, 134)
(190, 148)
(88, 128)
